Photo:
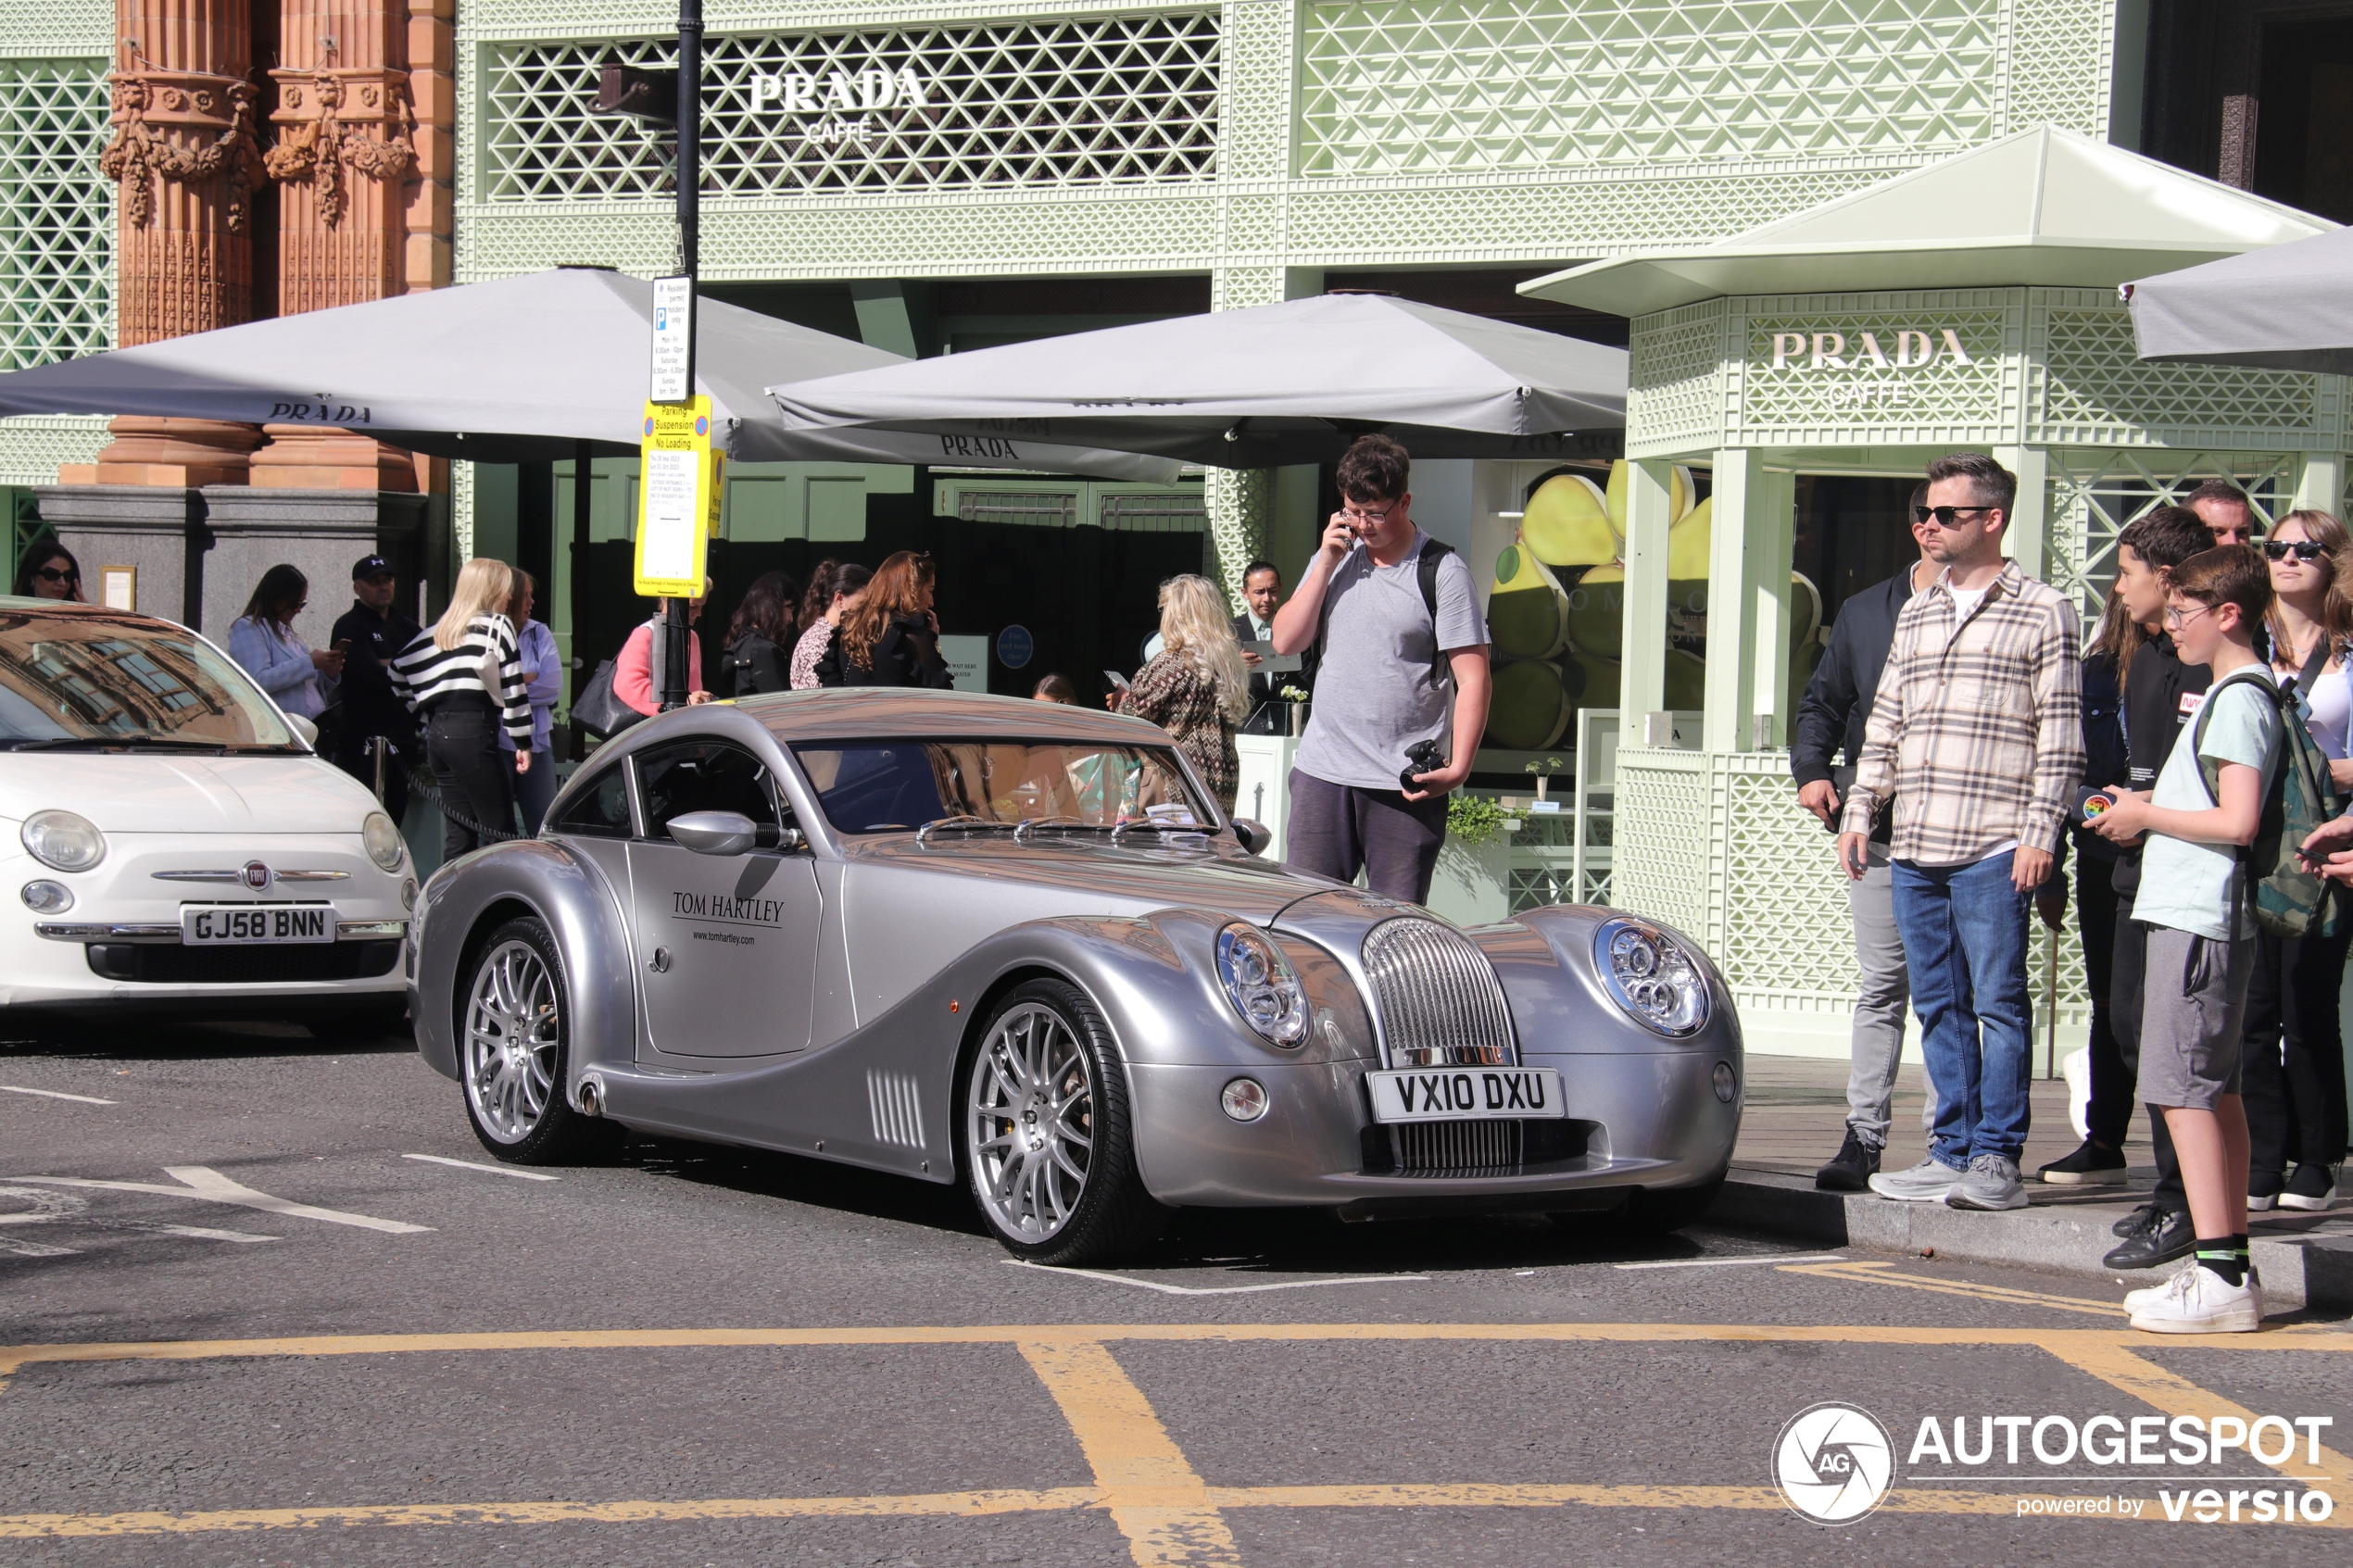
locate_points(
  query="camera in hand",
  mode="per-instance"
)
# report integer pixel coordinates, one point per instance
(1422, 757)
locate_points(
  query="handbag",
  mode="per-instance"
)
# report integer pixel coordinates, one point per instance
(598, 708)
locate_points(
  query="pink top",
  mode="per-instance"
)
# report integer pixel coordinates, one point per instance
(633, 673)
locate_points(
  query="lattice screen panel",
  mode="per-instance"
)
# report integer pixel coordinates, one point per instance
(2057, 65)
(1413, 87)
(2094, 388)
(2094, 494)
(57, 212)
(1676, 392)
(31, 447)
(1662, 811)
(1082, 101)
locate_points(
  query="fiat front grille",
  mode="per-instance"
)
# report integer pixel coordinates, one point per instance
(1437, 997)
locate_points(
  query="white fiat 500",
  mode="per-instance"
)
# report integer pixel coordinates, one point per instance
(172, 844)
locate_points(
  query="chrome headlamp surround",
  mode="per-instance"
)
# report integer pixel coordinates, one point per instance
(1654, 976)
(1263, 986)
(63, 840)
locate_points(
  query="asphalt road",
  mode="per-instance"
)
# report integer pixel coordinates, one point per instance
(696, 1355)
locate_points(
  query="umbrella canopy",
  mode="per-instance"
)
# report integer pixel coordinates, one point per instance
(521, 369)
(1278, 383)
(2284, 307)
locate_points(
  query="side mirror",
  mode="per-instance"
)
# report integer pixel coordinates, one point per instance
(714, 833)
(1254, 836)
(304, 729)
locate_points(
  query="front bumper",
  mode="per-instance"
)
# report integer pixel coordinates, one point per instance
(1648, 1120)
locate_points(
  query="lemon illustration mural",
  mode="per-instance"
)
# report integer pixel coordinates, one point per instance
(1690, 541)
(1686, 682)
(1680, 491)
(1528, 614)
(1597, 611)
(1530, 709)
(1567, 523)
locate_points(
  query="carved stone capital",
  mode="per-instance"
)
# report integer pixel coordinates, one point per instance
(184, 126)
(335, 121)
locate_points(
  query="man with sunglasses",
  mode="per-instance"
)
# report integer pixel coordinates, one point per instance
(1402, 674)
(1982, 694)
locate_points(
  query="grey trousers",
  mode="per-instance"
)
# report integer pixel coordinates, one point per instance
(1880, 1006)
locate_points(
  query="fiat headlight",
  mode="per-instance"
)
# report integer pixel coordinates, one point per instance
(1657, 980)
(1262, 985)
(64, 841)
(383, 841)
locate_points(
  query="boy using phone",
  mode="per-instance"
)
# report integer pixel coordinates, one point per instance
(2206, 807)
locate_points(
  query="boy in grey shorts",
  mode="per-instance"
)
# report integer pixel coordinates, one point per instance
(2193, 902)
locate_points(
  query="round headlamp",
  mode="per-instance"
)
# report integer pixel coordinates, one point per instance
(47, 897)
(1654, 976)
(1262, 986)
(383, 841)
(64, 841)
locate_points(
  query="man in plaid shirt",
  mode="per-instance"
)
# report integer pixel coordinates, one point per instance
(1977, 740)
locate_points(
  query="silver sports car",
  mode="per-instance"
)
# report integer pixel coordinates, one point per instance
(1016, 946)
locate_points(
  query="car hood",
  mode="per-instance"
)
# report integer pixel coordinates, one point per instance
(135, 793)
(1135, 877)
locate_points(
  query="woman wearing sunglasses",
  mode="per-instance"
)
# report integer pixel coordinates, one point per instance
(49, 572)
(2294, 1067)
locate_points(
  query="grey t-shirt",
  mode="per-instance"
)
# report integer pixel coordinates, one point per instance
(1373, 695)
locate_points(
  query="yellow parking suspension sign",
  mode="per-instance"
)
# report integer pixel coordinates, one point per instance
(677, 499)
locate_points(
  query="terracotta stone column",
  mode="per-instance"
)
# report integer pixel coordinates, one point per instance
(184, 158)
(342, 162)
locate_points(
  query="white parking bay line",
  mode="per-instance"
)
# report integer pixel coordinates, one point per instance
(475, 1165)
(35, 1248)
(1731, 1262)
(202, 1234)
(54, 1093)
(1215, 1290)
(210, 1186)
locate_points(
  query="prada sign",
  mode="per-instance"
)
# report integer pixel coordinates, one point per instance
(1914, 348)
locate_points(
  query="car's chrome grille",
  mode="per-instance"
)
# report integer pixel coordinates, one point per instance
(1439, 1002)
(1457, 1148)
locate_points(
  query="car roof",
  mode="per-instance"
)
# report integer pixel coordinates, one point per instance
(89, 611)
(904, 713)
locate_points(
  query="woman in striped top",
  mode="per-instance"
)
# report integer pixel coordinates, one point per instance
(464, 679)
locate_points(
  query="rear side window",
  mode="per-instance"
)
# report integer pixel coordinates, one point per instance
(600, 809)
(703, 777)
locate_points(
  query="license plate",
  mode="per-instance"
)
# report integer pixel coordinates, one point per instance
(1465, 1094)
(247, 924)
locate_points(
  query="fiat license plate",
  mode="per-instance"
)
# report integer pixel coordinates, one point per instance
(1465, 1094)
(233, 925)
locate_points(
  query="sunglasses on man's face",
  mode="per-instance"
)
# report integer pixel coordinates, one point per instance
(51, 575)
(2302, 549)
(1944, 517)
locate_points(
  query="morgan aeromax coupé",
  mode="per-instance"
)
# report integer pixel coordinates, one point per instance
(1017, 945)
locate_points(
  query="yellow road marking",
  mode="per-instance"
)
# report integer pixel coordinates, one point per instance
(1884, 1274)
(972, 1505)
(2152, 1385)
(1155, 1497)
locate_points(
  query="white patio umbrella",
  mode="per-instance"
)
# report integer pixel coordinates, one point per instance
(2283, 307)
(1278, 383)
(521, 369)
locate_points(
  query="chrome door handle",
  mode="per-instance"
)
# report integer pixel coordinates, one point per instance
(661, 961)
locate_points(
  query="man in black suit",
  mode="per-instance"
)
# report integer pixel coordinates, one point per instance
(374, 630)
(1262, 591)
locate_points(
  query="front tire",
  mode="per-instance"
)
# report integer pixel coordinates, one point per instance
(515, 1048)
(1044, 1131)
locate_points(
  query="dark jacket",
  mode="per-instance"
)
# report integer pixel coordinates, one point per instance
(369, 704)
(1837, 705)
(907, 654)
(1267, 701)
(2154, 686)
(758, 665)
(2104, 756)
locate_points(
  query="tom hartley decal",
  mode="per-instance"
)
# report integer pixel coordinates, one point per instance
(727, 909)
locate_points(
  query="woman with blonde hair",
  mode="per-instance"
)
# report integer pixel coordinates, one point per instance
(1196, 687)
(463, 676)
(892, 637)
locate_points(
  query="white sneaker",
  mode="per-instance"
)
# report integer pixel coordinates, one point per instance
(1927, 1181)
(2199, 1300)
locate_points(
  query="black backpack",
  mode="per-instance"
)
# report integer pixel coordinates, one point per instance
(1434, 551)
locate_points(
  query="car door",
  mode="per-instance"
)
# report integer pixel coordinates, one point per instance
(727, 945)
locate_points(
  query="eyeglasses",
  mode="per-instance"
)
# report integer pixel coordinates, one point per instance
(1944, 517)
(2175, 619)
(1358, 514)
(2302, 549)
(51, 575)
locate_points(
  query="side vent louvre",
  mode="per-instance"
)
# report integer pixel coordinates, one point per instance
(897, 1111)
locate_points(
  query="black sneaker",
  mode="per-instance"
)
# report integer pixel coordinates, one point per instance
(1851, 1169)
(2132, 1223)
(2263, 1189)
(2090, 1165)
(2164, 1238)
(2313, 1189)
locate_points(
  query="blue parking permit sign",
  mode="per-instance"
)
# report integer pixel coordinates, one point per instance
(1014, 646)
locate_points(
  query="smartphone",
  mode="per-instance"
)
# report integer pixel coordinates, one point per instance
(1116, 679)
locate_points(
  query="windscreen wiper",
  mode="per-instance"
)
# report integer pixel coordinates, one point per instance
(150, 743)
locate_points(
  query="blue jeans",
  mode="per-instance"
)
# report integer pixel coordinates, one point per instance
(1964, 930)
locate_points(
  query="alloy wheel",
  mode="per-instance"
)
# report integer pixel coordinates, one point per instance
(1032, 1116)
(512, 1041)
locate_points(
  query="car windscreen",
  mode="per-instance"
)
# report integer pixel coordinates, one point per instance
(73, 681)
(894, 785)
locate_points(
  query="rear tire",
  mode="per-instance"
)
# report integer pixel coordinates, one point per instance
(1043, 1131)
(514, 1051)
